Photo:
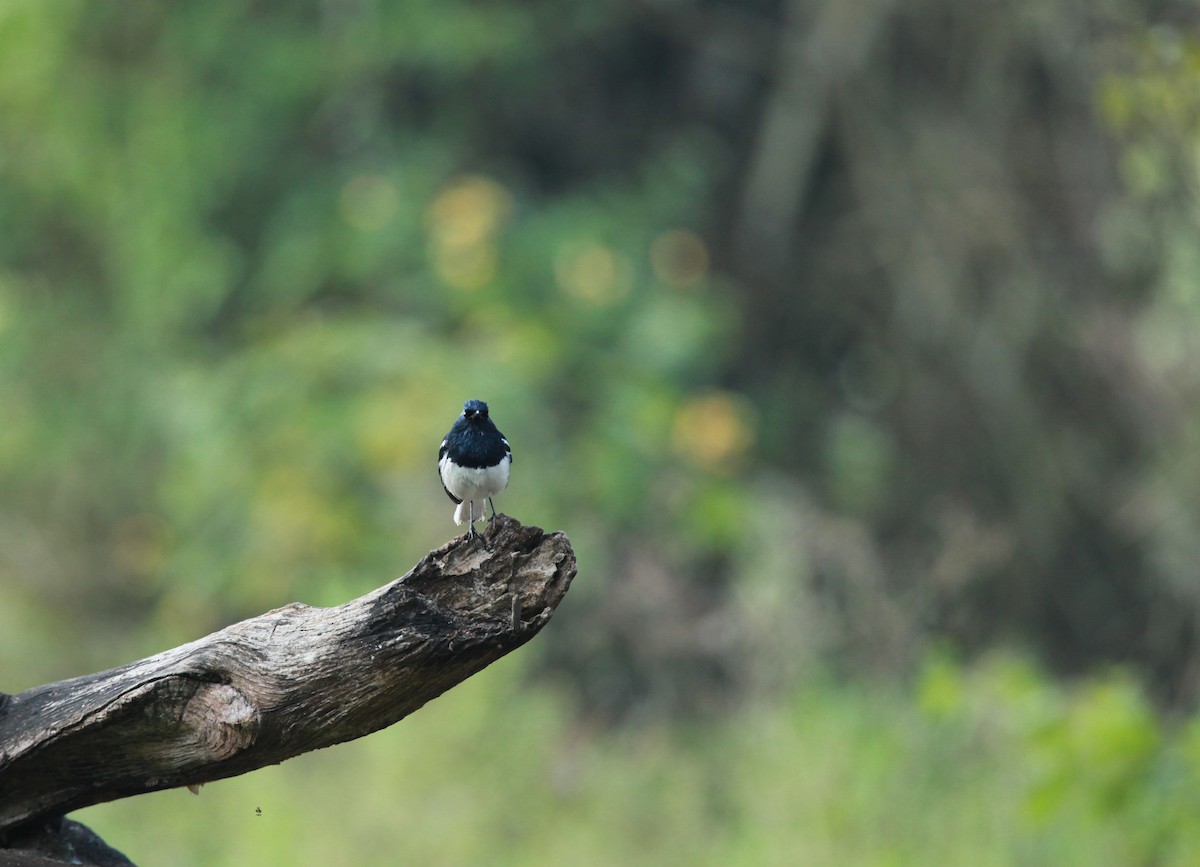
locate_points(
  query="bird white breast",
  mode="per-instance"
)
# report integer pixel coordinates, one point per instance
(474, 483)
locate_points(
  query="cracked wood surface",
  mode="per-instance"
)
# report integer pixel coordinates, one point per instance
(286, 682)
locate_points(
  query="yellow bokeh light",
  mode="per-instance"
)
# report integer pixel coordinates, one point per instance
(679, 258)
(593, 272)
(715, 430)
(469, 211)
(463, 221)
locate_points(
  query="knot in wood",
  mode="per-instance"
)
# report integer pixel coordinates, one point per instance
(222, 719)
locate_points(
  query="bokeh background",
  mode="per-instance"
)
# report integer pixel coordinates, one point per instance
(854, 345)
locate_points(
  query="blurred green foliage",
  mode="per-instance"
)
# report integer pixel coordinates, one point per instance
(992, 765)
(244, 295)
(819, 364)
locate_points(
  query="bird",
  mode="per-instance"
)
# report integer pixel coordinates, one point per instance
(474, 463)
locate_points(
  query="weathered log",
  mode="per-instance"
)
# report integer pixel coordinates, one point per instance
(293, 680)
(54, 842)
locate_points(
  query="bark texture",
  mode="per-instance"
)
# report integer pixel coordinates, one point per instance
(292, 680)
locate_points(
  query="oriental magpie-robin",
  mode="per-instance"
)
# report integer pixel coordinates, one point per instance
(473, 463)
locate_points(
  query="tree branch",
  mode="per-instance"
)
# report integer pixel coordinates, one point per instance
(295, 679)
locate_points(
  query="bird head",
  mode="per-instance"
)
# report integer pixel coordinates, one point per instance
(475, 409)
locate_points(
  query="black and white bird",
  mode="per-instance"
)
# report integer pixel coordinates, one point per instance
(474, 462)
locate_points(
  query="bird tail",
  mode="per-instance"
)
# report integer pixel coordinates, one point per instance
(462, 512)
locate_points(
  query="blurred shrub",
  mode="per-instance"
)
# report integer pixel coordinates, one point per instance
(814, 360)
(1096, 756)
(1017, 769)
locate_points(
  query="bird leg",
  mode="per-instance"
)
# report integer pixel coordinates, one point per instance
(472, 533)
(493, 505)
